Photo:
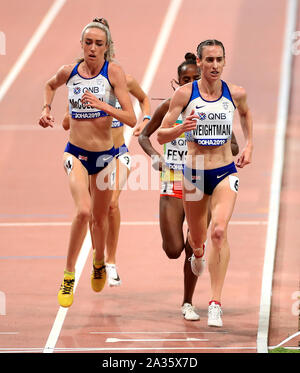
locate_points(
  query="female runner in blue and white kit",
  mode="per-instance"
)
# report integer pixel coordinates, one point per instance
(171, 211)
(207, 106)
(123, 164)
(94, 85)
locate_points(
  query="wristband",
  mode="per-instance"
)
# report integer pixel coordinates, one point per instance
(146, 117)
(47, 105)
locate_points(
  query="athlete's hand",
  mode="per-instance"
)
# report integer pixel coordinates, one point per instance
(139, 127)
(46, 120)
(158, 162)
(190, 122)
(245, 157)
(89, 99)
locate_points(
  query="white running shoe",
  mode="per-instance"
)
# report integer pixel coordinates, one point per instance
(197, 265)
(214, 315)
(112, 275)
(188, 312)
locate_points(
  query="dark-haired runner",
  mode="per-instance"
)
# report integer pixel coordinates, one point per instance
(171, 207)
(208, 106)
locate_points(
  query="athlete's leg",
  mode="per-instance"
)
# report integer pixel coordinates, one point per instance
(222, 204)
(101, 188)
(79, 186)
(171, 216)
(114, 215)
(196, 209)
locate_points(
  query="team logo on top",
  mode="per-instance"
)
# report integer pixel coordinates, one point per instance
(77, 90)
(202, 116)
(225, 105)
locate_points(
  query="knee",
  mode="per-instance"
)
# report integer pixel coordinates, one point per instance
(113, 207)
(218, 235)
(197, 242)
(83, 214)
(173, 251)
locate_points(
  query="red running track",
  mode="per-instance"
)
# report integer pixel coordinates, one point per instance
(143, 315)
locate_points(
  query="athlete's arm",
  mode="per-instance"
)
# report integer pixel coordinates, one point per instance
(118, 81)
(234, 145)
(135, 89)
(239, 96)
(149, 129)
(60, 78)
(167, 132)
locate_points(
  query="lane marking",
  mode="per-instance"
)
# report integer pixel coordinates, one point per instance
(62, 312)
(125, 223)
(30, 47)
(156, 56)
(116, 340)
(286, 340)
(219, 332)
(90, 349)
(147, 81)
(277, 170)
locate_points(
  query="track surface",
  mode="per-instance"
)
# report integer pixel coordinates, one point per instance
(144, 313)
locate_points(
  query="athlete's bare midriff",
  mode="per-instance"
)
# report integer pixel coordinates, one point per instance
(92, 135)
(212, 156)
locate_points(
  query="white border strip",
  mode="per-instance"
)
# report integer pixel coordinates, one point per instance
(110, 349)
(125, 223)
(30, 47)
(278, 160)
(157, 53)
(149, 75)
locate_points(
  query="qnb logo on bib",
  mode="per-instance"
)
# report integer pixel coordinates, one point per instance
(212, 116)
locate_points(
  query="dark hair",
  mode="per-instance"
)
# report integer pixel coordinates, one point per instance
(102, 20)
(189, 59)
(209, 42)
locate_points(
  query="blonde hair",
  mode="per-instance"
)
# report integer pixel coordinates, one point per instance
(108, 55)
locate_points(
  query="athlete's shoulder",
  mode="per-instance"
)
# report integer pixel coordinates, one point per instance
(163, 107)
(66, 69)
(184, 92)
(63, 74)
(237, 92)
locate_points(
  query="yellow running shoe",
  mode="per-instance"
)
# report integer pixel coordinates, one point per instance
(98, 276)
(65, 294)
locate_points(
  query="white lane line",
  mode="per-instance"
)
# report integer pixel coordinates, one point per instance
(117, 340)
(278, 161)
(219, 332)
(156, 56)
(149, 75)
(30, 47)
(90, 349)
(62, 312)
(125, 223)
(286, 340)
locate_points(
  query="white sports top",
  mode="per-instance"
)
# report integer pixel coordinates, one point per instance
(115, 122)
(214, 126)
(175, 151)
(98, 85)
(174, 155)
